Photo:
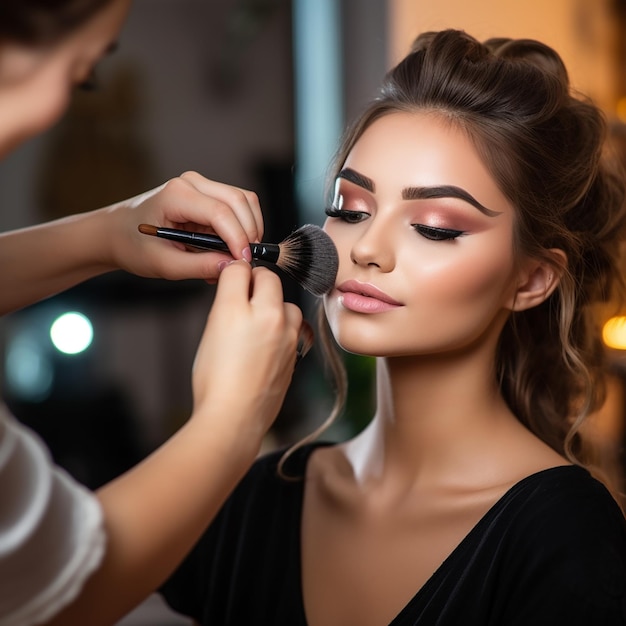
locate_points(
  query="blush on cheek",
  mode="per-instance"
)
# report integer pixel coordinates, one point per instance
(491, 285)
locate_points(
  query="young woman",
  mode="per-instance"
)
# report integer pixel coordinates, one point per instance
(67, 555)
(476, 224)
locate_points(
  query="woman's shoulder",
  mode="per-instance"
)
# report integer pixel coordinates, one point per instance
(565, 511)
(567, 495)
(561, 529)
(43, 510)
(563, 488)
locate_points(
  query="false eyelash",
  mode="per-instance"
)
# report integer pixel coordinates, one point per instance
(352, 217)
(438, 234)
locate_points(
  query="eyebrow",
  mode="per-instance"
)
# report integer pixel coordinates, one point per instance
(357, 179)
(445, 191)
(420, 193)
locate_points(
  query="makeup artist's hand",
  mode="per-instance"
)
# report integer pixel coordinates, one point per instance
(190, 202)
(73, 249)
(157, 511)
(246, 357)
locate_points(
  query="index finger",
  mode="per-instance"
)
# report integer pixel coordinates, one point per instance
(244, 203)
(182, 205)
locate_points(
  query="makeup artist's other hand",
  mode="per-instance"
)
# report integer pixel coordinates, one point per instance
(246, 357)
(190, 202)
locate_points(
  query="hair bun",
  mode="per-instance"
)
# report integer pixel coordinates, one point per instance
(530, 51)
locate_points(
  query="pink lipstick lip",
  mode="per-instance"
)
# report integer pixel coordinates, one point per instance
(367, 290)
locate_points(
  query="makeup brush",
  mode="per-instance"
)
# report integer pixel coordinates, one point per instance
(308, 254)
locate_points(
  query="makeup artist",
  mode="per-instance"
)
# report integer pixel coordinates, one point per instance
(69, 556)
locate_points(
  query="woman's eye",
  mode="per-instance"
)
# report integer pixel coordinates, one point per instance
(352, 217)
(437, 234)
(90, 83)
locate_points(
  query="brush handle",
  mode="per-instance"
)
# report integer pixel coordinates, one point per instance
(268, 252)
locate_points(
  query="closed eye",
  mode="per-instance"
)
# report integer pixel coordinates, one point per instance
(90, 83)
(438, 234)
(352, 217)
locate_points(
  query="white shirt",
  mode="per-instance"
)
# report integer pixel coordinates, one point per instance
(51, 529)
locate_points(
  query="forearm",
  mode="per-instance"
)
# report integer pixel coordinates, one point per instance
(43, 260)
(155, 513)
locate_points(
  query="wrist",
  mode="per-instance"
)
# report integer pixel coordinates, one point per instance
(230, 434)
(102, 228)
(87, 237)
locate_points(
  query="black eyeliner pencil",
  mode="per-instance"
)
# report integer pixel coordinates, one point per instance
(308, 255)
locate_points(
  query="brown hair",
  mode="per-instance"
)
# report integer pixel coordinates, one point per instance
(543, 144)
(42, 22)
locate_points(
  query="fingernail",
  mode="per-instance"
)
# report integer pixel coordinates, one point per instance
(221, 265)
(247, 254)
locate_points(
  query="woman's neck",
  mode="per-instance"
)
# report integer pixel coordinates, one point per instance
(435, 417)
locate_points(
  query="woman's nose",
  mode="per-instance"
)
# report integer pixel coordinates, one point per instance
(374, 247)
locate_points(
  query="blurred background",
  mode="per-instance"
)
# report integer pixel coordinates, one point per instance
(253, 93)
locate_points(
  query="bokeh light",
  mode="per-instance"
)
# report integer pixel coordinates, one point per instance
(71, 333)
(614, 333)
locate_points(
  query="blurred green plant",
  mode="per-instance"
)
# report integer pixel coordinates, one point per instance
(361, 399)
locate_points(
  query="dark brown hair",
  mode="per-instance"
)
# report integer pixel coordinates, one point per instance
(544, 146)
(42, 22)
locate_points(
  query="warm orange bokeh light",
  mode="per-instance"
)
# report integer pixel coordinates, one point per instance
(614, 333)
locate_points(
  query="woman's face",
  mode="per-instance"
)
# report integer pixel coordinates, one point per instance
(425, 242)
(36, 83)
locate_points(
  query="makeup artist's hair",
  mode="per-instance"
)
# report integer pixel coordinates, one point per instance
(42, 22)
(543, 145)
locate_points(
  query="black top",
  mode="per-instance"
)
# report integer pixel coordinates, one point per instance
(551, 551)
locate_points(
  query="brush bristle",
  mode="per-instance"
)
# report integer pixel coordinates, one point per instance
(309, 256)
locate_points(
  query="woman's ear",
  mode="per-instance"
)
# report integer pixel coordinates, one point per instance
(537, 279)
